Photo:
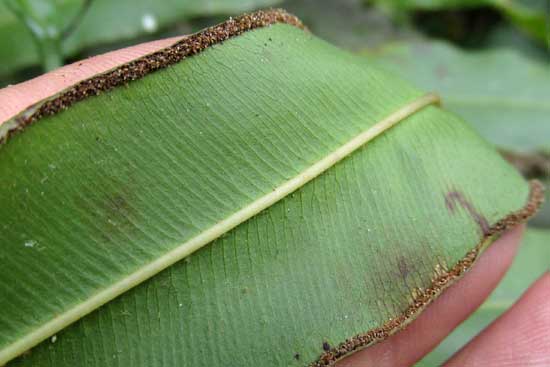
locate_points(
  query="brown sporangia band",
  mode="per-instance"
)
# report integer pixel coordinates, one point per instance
(136, 69)
(442, 279)
(198, 42)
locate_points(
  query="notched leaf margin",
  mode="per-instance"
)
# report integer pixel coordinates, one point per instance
(442, 279)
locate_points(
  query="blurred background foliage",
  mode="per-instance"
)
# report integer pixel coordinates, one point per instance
(489, 60)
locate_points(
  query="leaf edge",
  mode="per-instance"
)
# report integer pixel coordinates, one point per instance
(442, 279)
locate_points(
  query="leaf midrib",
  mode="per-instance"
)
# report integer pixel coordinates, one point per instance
(207, 236)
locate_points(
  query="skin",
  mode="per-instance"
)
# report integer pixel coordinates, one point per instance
(520, 337)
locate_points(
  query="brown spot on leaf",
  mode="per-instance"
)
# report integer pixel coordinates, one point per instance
(403, 267)
(456, 197)
(423, 297)
(117, 205)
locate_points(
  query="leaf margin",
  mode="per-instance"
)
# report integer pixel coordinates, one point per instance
(57, 104)
(442, 279)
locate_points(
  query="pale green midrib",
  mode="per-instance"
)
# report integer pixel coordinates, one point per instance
(148, 270)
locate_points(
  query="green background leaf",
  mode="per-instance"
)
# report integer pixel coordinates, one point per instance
(348, 23)
(503, 94)
(104, 22)
(499, 92)
(531, 16)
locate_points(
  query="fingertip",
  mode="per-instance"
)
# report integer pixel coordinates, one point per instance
(519, 337)
(15, 98)
(447, 312)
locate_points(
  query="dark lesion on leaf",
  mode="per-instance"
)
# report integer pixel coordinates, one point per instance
(403, 266)
(443, 279)
(405, 262)
(118, 205)
(111, 211)
(118, 210)
(455, 197)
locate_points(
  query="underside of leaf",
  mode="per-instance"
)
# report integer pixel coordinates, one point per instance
(188, 46)
(442, 279)
(274, 156)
